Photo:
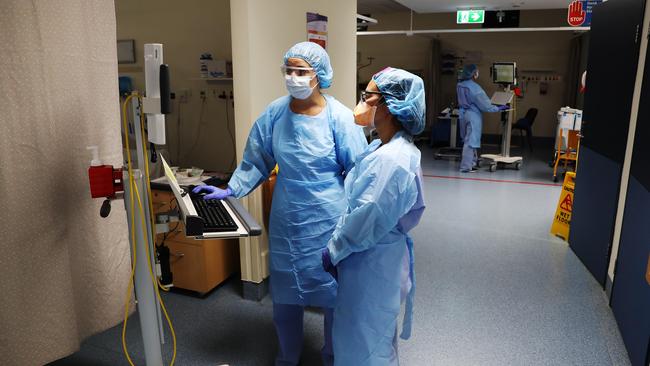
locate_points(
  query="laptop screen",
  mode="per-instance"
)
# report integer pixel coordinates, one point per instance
(169, 173)
(184, 200)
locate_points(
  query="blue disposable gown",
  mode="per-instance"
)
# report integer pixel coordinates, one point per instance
(313, 153)
(370, 246)
(472, 102)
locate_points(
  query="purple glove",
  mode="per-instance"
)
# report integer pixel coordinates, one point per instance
(214, 193)
(328, 266)
(504, 107)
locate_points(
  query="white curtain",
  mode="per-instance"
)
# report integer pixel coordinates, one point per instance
(63, 269)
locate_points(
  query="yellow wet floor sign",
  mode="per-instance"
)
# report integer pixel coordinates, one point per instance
(562, 220)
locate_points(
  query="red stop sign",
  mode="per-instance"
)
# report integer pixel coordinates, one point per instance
(576, 15)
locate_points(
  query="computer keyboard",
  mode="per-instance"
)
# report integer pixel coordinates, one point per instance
(214, 215)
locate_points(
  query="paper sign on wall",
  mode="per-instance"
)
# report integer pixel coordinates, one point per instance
(317, 29)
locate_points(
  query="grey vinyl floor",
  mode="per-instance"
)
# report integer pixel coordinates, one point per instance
(493, 288)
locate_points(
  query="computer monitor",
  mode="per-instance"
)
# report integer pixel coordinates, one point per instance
(504, 73)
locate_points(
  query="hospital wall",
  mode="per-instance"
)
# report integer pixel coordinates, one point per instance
(538, 53)
(186, 29)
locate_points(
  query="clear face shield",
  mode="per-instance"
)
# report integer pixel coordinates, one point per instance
(297, 71)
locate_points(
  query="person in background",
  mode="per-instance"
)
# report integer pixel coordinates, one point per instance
(370, 250)
(313, 139)
(472, 102)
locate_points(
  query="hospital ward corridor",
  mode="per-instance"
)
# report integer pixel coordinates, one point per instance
(494, 288)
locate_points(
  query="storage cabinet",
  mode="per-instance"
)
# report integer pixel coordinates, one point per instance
(197, 265)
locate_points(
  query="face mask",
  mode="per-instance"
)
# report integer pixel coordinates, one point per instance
(298, 86)
(364, 114)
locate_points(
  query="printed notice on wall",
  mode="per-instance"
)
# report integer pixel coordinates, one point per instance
(317, 29)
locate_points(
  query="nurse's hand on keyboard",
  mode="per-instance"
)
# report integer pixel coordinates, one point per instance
(212, 192)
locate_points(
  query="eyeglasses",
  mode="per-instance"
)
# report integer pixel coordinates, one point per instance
(299, 71)
(365, 94)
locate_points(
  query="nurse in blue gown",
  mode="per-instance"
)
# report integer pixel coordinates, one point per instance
(315, 142)
(370, 251)
(472, 103)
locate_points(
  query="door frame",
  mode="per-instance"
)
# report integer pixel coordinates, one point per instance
(627, 162)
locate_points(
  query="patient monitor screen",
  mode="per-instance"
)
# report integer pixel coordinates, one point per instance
(504, 73)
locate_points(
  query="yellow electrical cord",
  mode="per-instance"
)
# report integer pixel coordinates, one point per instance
(148, 180)
(133, 248)
(153, 277)
(141, 207)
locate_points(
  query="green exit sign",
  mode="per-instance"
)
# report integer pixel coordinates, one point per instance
(470, 16)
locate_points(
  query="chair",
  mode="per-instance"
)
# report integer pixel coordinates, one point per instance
(526, 124)
(570, 153)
